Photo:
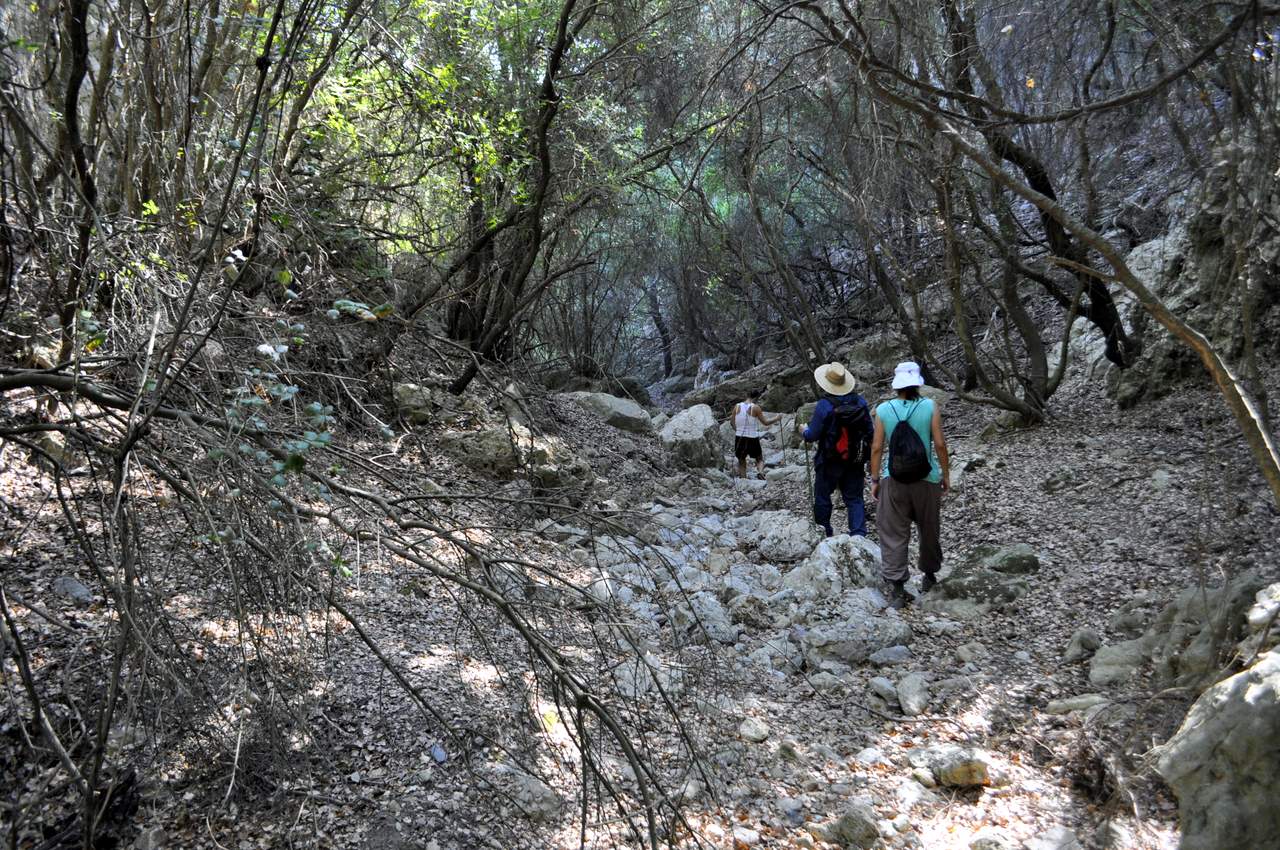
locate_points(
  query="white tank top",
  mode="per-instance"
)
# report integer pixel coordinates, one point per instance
(744, 424)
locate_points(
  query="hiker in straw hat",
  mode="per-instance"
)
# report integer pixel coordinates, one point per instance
(841, 426)
(910, 472)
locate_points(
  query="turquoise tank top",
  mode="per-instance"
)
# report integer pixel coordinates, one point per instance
(919, 415)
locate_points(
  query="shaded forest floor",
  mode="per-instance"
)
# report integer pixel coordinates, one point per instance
(1121, 506)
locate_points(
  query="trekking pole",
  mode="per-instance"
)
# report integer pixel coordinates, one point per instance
(808, 472)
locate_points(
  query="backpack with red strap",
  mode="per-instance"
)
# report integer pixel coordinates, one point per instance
(847, 439)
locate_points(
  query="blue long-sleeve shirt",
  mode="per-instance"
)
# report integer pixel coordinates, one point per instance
(821, 418)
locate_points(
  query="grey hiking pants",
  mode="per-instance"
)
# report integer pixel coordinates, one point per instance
(898, 507)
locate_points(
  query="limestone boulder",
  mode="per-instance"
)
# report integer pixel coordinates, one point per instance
(692, 435)
(988, 578)
(1084, 641)
(834, 564)
(538, 800)
(644, 675)
(913, 694)
(834, 645)
(674, 385)
(73, 590)
(1018, 559)
(501, 451)
(415, 403)
(1263, 622)
(621, 413)
(702, 614)
(1191, 638)
(856, 829)
(490, 450)
(778, 535)
(956, 766)
(53, 445)
(1114, 664)
(1224, 762)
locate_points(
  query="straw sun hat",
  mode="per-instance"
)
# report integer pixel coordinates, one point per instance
(835, 379)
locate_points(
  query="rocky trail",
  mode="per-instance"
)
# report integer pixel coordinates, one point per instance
(1013, 707)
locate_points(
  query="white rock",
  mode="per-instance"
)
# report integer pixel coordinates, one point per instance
(850, 641)
(835, 563)
(1113, 664)
(783, 536)
(1084, 641)
(991, 838)
(857, 827)
(913, 694)
(753, 729)
(538, 800)
(693, 435)
(1082, 702)
(869, 756)
(1056, 838)
(702, 613)
(1224, 761)
(883, 687)
(621, 413)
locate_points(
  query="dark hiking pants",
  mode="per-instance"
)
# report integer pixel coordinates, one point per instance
(826, 479)
(899, 506)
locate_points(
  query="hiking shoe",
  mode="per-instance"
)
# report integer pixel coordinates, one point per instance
(898, 596)
(928, 583)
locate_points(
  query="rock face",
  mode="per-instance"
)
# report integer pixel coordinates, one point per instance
(622, 413)
(1224, 762)
(1190, 637)
(693, 436)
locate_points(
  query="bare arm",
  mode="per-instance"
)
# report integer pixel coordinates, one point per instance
(758, 412)
(940, 447)
(877, 451)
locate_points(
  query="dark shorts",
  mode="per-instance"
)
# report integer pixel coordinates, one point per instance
(747, 447)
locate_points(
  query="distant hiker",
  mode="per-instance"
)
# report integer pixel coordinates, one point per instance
(841, 426)
(747, 418)
(908, 481)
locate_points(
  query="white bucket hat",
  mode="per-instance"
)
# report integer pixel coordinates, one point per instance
(907, 374)
(835, 379)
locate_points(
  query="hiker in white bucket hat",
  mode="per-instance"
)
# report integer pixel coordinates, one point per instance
(908, 481)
